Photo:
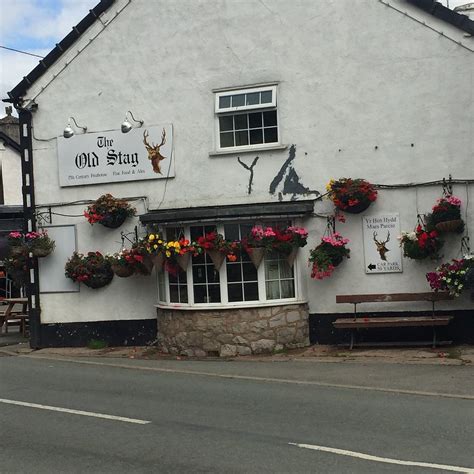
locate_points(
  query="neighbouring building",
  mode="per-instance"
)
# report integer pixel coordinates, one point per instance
(256, 105)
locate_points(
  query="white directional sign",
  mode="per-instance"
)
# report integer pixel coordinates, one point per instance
(113, 156)
(381, 246)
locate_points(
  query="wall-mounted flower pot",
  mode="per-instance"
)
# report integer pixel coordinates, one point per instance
(113, 221)
(122, 271)
(217, 258)
(183, 260)
(17, 250)
(158, 260)
(256, 254)
(41, 252)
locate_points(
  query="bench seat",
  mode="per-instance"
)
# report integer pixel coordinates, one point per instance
(384, 322)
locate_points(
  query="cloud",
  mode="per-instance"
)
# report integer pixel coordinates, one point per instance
(34, 26)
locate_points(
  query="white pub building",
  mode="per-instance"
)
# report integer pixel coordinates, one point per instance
(254, 106)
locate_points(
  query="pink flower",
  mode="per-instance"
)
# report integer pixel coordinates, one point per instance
(15, 235)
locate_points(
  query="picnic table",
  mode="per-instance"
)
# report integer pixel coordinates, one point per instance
(12, 314)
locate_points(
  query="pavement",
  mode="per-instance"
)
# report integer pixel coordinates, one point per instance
(13, 344)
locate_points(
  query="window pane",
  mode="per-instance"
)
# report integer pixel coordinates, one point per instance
(240, 121)
(273, 290)
(238, 100)
(214, 294)
(231, 231)
(270, 118)
(266, 97)
(255, 120)
(224, 102)
(235, 292)
(241, 138)
(271, 270)
(233, 272)
(253, 98)
(183, 294)
(227, 139)
(287, 289)
(200, 294)
(199, 275)
(256, 136)
(285, 270)
(251, 291)
(250, 272)
(174, 298)
(212, 274)
(172, 278)
(226, 123)
(271, 135)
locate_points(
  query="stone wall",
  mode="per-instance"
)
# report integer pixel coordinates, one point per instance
(232, 332)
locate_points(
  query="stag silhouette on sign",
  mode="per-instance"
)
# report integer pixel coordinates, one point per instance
(381, 247)
(153, 150)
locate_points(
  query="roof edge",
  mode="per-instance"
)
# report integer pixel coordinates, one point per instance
(10, 142)
(443, 13)
(77, 31)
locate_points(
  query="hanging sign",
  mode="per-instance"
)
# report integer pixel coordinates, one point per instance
(113, 156)
(381, 246)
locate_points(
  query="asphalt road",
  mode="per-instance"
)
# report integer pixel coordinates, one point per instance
(233, 417)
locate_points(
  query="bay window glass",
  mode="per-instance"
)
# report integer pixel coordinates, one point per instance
(237, 281)
(205, 278)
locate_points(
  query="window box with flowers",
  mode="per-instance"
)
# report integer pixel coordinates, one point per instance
(109, 211)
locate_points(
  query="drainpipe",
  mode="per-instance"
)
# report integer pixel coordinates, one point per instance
(28, 191)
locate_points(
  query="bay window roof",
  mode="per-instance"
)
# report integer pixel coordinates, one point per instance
(229, 212)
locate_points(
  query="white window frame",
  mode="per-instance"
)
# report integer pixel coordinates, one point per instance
(273, 105)
(262, 293)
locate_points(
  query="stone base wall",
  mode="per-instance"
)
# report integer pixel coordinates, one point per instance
(232, 332)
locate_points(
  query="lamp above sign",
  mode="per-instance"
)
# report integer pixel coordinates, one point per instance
(108, 157)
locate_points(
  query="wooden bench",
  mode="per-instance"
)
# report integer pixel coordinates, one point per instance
(11, 315)
(433, 320)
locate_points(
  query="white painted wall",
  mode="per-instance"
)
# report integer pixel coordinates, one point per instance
(11, 175)
(352, 76)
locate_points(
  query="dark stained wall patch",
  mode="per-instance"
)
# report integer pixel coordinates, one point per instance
(287, 180)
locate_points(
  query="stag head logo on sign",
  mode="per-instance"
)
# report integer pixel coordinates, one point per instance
(112, 156)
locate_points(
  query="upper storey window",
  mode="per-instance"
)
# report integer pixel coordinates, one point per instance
(247, 118)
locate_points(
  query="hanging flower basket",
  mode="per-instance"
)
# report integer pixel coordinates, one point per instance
(109, 211)
(256, 255)
(39, 243)
(113, 221)
(17, 250)
(455, 276)
(446, 215)
(16, 243)
(158, 259)
(328, 255)
(217, 257)
(122, 271)
(99, 280)
(93, 269)
(183, 260)
(352, 195)
(144, 267)
(17, 270)
(421, 243)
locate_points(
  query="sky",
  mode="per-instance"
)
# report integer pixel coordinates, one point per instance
(36, 26)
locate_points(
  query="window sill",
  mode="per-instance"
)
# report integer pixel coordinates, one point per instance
(235, 151)
(219, 306)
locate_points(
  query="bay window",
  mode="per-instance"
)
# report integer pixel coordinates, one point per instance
(236, 282)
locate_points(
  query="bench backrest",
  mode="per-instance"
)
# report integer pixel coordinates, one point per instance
(389, 297)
